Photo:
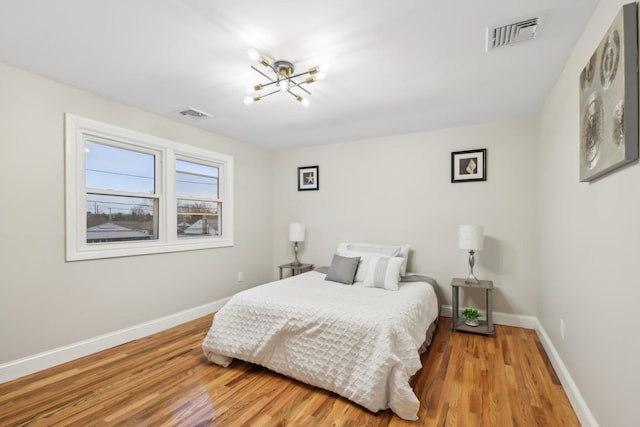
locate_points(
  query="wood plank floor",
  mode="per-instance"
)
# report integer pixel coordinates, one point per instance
(164, 380)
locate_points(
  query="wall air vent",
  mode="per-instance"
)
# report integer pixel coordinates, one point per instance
(506, 35)
(194, 114)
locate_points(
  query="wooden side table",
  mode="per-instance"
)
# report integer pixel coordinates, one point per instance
(295, 269)
(457, 324)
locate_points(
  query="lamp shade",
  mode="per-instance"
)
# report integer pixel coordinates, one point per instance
(470, 237)
(296, 232)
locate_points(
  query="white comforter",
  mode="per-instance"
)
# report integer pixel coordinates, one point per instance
(361, 343)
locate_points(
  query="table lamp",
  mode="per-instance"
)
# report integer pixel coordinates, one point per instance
(296, 234)
(470, 237)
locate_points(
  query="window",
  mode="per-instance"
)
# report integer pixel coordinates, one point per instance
(131, 194)
(197, 196)
(121, 199)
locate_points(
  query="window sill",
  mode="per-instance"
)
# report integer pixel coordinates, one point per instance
(115, 250)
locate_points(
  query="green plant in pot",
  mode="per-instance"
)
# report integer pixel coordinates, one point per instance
(471, 316)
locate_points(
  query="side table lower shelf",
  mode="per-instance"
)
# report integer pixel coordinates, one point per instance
(482, 328)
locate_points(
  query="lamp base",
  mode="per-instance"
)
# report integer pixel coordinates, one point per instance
(471, 278)
(296, 262)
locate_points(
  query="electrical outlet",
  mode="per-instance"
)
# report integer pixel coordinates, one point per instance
(240, 276)
(562, 329)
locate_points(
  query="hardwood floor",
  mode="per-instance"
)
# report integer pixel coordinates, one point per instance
(164, 380)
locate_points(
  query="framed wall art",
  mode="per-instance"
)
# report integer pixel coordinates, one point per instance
(469, 165)
(308, 178)
(609, 99)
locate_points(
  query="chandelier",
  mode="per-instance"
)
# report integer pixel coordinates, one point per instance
(281, 78)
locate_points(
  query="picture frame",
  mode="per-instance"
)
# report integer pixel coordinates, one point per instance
(609, 99)
(308, 178)
(470, 165)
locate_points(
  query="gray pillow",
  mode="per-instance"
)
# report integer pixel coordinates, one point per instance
(343, 269)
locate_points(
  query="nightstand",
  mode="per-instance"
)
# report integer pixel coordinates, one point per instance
(295, 269)
(457, 324)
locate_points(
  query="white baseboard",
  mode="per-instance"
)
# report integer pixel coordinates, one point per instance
(575, 397)
(37, 362)
(507, 319)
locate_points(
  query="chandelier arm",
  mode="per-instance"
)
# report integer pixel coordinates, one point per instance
(300, 74)
(293, 86)
(299, 86)
(293, 94)
(265, 75)
(270, 93)
(276, 72)
(268, 84)
(290, 78)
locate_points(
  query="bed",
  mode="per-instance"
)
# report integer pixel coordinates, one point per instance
(362, 342)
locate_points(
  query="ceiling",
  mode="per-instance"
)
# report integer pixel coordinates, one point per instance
(397, 66)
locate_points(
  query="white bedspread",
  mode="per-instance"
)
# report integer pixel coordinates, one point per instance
(361, 343)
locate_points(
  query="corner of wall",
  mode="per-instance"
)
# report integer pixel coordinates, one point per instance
(571, 389)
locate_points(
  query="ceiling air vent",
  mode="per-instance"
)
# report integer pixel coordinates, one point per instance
(194, 114)
(515, 32)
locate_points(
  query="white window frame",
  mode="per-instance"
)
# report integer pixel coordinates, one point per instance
(77, 130)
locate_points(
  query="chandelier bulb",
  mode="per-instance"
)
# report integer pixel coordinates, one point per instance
(248, 100)
(253, 54)
(284, 85)
(303, 101)
(322, 71)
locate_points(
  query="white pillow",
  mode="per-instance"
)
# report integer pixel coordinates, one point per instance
(383, 272)
(364, 249)
(387, 250)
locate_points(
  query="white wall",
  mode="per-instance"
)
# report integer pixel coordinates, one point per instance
(589, 251)
(46, 302)
(398, 190)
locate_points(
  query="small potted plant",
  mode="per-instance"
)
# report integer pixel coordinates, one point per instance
(471, 316)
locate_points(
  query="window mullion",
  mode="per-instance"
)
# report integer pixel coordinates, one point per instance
(170, 201)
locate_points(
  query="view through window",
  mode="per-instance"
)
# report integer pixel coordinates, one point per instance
(197, 196)
(121, 200)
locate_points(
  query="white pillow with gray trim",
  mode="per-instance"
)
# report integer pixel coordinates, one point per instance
(364, 250)
(383, 272)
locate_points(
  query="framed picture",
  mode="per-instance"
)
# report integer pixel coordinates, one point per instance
(609, 99)
(469, 165)
(308, 178)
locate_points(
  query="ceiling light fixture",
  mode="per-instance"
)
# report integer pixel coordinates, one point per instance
(281, 78)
